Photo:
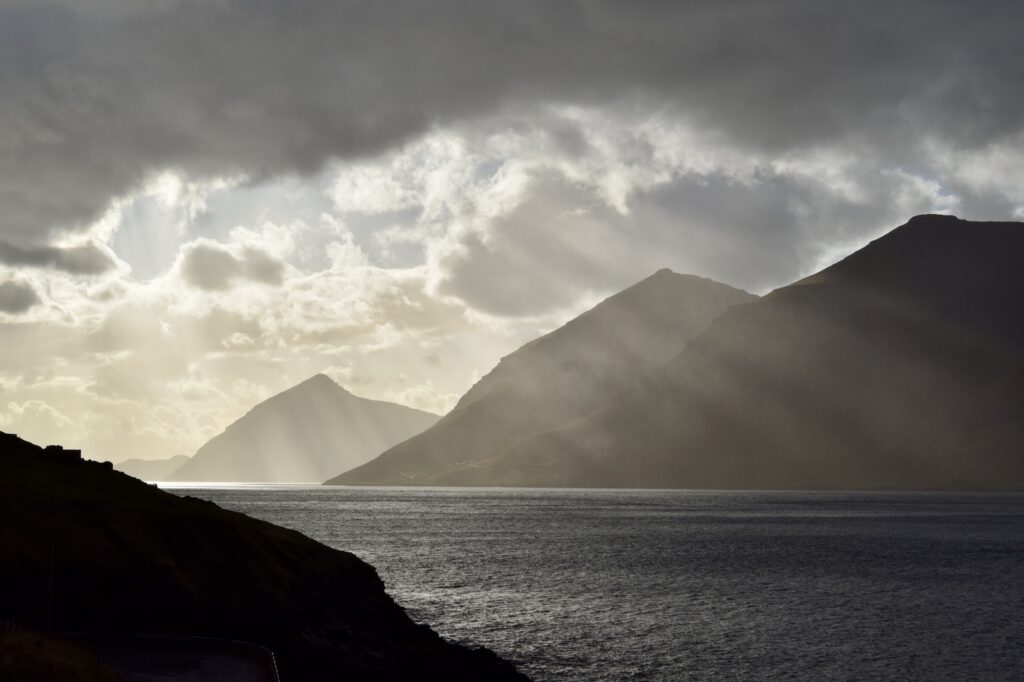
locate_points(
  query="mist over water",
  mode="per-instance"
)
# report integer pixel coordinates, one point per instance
(681, 585)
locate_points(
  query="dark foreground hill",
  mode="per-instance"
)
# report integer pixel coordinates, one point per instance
(90, 549)
(555, 379)
(303, 435)
(899, 367)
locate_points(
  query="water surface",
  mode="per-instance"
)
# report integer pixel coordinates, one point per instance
(681, 585)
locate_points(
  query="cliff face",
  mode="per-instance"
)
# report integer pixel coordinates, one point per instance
(898, 367)
(303, 435)
(89, 549)
(555, 379)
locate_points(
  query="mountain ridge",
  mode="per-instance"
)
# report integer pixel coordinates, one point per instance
(854, 377)
(302, 435)
(559, 376)
(121, 556)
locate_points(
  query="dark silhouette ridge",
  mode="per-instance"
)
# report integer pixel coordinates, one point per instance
(151, 469)
(303, 435)
(557, 378)
(89, 549)
(897, 368)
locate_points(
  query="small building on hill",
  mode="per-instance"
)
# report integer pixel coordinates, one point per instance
(57, 453)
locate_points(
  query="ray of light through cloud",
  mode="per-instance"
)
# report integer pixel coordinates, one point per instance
(395, 198)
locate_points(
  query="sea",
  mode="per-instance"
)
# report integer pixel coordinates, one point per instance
(657, 585)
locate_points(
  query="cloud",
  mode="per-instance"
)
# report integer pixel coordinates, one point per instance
(562, 242)
(97, 95)
(526, 223)
(17, 297)
(212, 267)
(34, 416)
(86, 259)
(404, 192)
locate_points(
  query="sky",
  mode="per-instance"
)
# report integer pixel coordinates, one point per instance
(203, 202)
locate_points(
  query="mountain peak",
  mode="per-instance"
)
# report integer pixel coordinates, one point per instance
(320, 382)
(932, 218)
(559, 377)
(935, 253)
(920, 226)
(304, 434)
(895, 368)
(320, 378)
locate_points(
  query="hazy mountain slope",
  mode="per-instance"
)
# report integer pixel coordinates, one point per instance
(898, 367)
(559, 377)
(151, 469)
(87, 549)
(305, 434)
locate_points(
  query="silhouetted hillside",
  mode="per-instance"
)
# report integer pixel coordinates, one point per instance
(898, 367)
(557, 378)
(305, 434)
(31, 657)
(89, 549)
(151, 469)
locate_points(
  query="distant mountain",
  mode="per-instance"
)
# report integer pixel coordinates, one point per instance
(89, 550)
(555, 379)
(151, 469)
(305, 434)
(900, 367)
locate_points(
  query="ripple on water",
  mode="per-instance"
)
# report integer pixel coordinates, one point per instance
(682, 585)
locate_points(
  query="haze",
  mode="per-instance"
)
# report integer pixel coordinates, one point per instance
(205, 203)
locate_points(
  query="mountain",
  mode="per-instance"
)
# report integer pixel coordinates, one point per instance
(151, 469)
(899, 367)
(91, 550)
(305, 434)
(555, 379)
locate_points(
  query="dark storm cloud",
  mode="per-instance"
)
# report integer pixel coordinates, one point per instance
(87, 259)
(17, 297)
(93, 96)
